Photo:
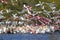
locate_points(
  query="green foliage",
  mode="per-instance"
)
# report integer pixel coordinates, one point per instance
(19, 3)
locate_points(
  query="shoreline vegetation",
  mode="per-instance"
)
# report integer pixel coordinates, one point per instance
(36, 16)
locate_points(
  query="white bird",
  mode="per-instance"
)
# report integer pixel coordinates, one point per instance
(37, 5)
(20, 22)
(27, 8)
(1, 12)
(40, 3)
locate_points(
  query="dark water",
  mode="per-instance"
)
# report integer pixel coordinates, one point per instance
(53, 36)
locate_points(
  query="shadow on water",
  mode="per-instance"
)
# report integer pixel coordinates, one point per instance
(54, 36)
